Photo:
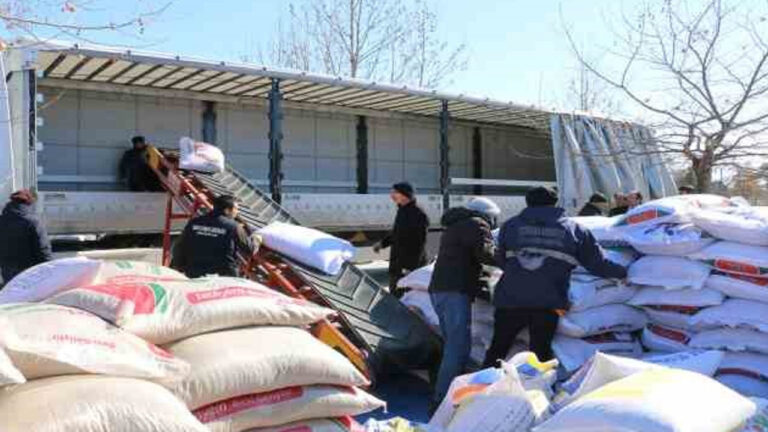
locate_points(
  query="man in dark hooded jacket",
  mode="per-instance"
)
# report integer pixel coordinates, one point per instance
(23, 240)
(466, 244)
(537, 250)
(135, 170)
(408, 238)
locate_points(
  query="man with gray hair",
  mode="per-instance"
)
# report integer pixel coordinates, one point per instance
(466, 244)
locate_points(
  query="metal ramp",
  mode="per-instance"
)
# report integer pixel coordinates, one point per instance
(389, 335)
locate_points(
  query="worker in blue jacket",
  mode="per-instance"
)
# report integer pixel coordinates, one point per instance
(23, 240)
(537, 250)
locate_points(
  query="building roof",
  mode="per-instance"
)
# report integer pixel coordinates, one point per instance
(76, 63)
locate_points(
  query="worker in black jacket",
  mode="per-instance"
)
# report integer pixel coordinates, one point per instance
(466, 244)
(23, 239)
(597, 206)
(135, 170)
(408, 237)
(210, 244)
(537, 250)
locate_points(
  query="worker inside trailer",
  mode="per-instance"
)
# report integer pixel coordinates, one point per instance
(135, 170)
(210, 244)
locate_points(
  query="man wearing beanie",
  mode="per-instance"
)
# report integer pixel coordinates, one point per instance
(408, 237)
(537, 250)
(23, 239)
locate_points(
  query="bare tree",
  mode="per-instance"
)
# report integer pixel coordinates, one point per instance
(699, 71)
(50, 19)
(374, 39)
(588, 93)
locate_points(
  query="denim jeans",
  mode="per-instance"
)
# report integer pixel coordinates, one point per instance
(454, 309)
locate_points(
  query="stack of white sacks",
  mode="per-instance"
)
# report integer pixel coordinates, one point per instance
(702, 283)
(124, 346)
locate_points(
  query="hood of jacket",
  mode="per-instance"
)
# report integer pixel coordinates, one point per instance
(459, 214)
(19, 209)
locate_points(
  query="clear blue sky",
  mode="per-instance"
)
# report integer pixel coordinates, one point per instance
(517, 50)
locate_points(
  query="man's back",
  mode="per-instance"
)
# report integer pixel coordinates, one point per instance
(538, 249)
(209, 245)
(23, 241)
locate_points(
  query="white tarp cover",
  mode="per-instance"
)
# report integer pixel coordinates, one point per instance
(595, 155)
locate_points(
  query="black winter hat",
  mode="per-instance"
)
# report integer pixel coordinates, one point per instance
(405, 188)
(541, 197)
(597, 197)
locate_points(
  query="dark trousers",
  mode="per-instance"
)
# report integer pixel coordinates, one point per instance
(508, 323)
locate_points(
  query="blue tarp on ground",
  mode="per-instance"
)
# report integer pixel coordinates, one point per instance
(407, 396)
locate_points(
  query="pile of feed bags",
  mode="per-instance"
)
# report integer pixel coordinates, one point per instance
(125, 346)
(701, 282)
(599, 318)
(308, 246)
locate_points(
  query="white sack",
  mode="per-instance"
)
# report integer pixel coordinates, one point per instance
(235, 363)
(735, 258)
(46, 279)
(743, 287)
(485, 401)
(316, 425)
(49, 340)
(759, 421)
(602, 369)
(623, 256)
(734, 313)
(285, 405)
(602, 228)
(89, 403)
(746, 373)
(418, 279)
(746, 226)
(674, 209)
(200, 156)
(8, 372)
(308, 246)
(679, 317)
(731, 340)
(586, 292)
(125, 271)
(668, 272)
(653, 296)
(167, 311)
(421, 303)
(666, 339)
(655, 400)
(603, 319)
(668, 239)
(572, 353)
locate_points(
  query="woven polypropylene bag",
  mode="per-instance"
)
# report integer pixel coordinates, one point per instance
(316, 425)
(166, 311)
(308, 246)
(48, 340)
(8, 372)
(46, 279)
(284, 406)
(240, 362)
(90, 403)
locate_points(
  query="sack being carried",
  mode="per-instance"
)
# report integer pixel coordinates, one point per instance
(308, 246)
(93, 403)
(50, 340)
(199, 156)
(164, 312)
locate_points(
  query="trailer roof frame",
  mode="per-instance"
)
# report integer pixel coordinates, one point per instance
(309, 87)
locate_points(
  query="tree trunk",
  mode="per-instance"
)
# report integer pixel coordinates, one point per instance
(701, 166)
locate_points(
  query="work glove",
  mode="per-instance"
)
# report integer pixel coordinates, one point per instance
(257, 241)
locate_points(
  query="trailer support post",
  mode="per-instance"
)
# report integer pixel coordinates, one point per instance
(477, 158)
(275, 141)
(445, 163)
(362, 154)
(209, 122)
